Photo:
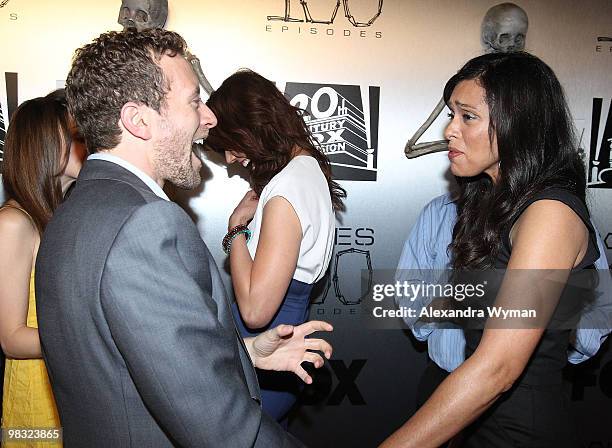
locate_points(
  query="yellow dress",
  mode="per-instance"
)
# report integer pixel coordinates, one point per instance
(28, 400)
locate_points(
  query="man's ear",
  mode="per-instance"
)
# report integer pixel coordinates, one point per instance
(135, 119)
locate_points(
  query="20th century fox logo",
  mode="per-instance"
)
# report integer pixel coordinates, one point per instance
(343, 120)
(600, 153)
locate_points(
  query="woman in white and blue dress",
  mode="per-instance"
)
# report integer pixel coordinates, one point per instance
(281, 235)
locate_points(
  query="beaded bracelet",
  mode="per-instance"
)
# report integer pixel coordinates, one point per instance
(229, 237)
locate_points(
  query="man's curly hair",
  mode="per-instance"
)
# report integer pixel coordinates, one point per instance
(116, 68)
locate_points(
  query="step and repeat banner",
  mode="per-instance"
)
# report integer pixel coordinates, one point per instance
(368, 74)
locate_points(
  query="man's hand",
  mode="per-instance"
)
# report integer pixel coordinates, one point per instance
(285, 347)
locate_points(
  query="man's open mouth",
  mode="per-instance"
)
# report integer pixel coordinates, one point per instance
(198, 148)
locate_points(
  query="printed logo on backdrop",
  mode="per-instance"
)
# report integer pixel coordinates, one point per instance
(600, 154)
(608, 243)
(11, 80)
(591, 380)
(343, 119)
(2, 137)
(604, 45)
(339, 294)
(12, 15)
(349, 277)
(324, 391)
(353, 21)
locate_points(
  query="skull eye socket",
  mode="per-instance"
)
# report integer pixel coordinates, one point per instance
(519, 39)
(141, 16)
(504, 38)
(125, 13)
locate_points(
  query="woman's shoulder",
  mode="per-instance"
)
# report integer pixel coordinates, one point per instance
(304, 163)
(556, 215)
(556, 198)
(303, 184)
(16, 226)
(301, 170)
(14, 218)
(550, 232)
(548, 210)
(556, 192)
(546, 207)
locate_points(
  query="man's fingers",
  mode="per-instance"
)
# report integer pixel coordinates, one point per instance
(316, 325)
(320, 345)
(283, 330)
(299, 371)
(314, 358)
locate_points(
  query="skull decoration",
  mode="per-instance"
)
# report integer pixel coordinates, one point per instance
(504, 28)
(143, 14)
(147, 14)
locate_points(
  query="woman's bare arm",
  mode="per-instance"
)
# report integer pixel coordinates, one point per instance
(18, 244)
(260, 285)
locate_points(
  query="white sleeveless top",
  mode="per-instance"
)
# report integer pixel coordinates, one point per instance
(304, 186)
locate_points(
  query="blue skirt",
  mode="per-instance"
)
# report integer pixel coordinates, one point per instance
(279, 390)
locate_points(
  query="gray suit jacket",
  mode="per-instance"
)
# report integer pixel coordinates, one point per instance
(136, 330)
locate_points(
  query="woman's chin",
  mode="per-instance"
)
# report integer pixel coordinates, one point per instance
(461, 171)
(457, 171)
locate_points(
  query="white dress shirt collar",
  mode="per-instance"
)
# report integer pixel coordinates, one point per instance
(132, 169)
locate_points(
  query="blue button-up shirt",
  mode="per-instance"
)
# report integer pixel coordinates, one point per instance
(426, 250)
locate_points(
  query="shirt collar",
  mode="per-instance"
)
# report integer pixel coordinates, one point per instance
(448, 199)
(132, 169)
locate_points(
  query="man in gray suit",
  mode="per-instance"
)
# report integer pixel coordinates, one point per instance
(139, 340)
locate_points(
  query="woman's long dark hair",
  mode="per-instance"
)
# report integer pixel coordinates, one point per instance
(256, 119)
(35, 155)
(536, 145)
